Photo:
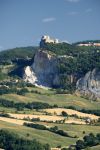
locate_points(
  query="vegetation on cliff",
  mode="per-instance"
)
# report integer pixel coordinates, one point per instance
(7, 56)
(73, 61)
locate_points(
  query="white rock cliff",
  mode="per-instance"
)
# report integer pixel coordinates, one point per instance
(43, 71)
(90, 84)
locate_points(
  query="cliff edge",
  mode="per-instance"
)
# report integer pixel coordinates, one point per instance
(43, 70)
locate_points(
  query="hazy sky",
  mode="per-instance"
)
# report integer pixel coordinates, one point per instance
(23, 22)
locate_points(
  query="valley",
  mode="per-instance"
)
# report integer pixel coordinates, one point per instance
(51, 102)
(74, 121)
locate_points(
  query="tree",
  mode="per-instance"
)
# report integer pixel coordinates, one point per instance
(98, 136)
(47, 147)
(54, 129)
(80, 145)
(64, 114)
(90, 140)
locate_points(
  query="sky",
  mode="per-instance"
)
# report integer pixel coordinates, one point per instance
(23, 22)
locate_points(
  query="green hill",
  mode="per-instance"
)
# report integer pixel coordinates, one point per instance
(19, 97)
(87, 41)
(18, 52)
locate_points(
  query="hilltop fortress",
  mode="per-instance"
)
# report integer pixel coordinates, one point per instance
(46, 39)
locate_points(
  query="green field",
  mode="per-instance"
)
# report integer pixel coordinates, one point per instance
(50, 97)
(49, 137)
(94, 148)
(41, 135)
(77, 130)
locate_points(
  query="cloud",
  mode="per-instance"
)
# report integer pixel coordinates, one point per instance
(50, 19)
(73, 1)
(72, 13)
(88, 10)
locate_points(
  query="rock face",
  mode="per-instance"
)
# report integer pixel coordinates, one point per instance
(43, 71)
(29, 75)
(89, 85)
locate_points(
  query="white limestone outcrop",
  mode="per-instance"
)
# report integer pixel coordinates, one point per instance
(90, 84)
(43, 71)
(29, 75)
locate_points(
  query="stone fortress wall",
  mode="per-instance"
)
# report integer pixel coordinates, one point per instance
(47, 39)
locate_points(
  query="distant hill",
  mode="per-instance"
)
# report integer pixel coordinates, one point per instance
(18, 52)
(58, 65)
(87, 41)
(68, 49)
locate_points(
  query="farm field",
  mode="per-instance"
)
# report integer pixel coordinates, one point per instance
(15, 125)
(41, 135)
(62, 100)
(48, 118)
(74, 126)
(58, 111)
(76, 129)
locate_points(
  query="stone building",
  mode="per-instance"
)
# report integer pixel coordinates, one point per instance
(46, 39)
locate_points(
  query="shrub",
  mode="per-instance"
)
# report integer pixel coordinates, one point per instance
(64, 114)
(36, 126)
(53, 129)
(35, 119)
(80, 145)
(4, 115)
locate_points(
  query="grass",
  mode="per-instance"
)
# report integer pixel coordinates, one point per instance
(49, 137)
(4, 71)
(40, 135)
(94, 148)
(62, 100)
(5, 109)
(74, 129)
(48, 96)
